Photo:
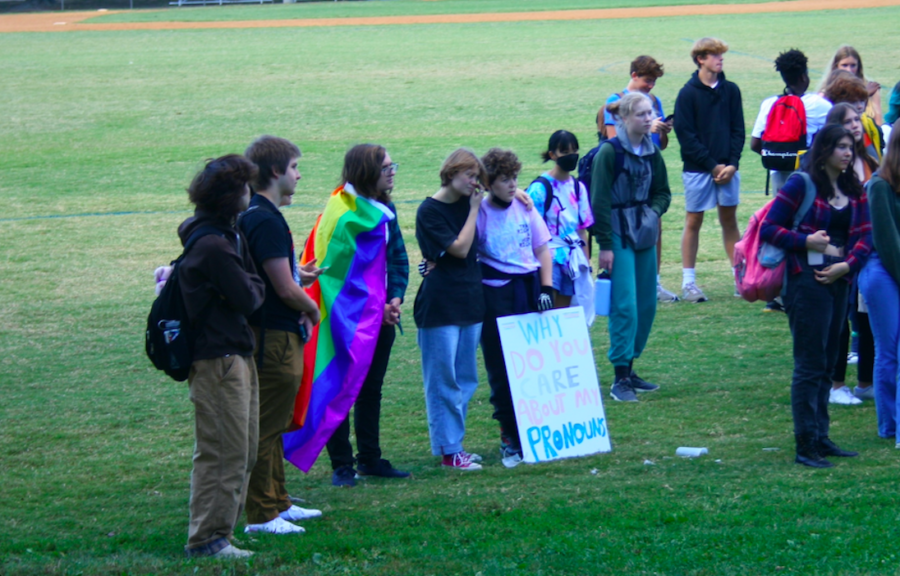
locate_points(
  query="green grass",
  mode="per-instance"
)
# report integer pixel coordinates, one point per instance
(96, 445)
(392, 8)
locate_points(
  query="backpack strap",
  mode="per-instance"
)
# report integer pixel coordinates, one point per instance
(619, 165)
(548, 193)
(809, 197)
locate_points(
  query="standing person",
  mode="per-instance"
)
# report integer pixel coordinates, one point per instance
(863, 166)
(627, 208)
(890, 117)
(842, 86)
(369, 171)
(280, 326)
(792, 65)
(709, 124)
(879, 282)
(449, 307)
(517, 272)
(832, 241)
(220, 288)
(566, 207)
(847, 58)
(645, 71)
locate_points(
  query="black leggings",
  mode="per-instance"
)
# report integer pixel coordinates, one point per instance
(866, 363)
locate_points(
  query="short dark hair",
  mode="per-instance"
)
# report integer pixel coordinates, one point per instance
(220, 186)
(825, 142)
(270, 154)
(561, 140)
(498, 162)
(362, 169)
(647, 66)
(791, 65)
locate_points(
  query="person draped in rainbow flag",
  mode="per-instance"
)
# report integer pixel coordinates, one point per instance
(350, 244)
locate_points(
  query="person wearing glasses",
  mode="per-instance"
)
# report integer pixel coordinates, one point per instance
(369, 171)
(566, 207)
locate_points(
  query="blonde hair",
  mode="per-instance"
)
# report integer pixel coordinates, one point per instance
(624, 107)
(460, 160)
(706, 46)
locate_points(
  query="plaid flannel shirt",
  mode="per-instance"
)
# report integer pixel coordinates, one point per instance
(397, 260)
(776, 227)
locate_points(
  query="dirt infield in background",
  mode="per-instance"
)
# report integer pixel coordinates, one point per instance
(74, 21)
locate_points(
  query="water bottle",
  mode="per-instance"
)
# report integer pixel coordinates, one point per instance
(602, 293)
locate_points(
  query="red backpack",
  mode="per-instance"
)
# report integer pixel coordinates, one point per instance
(785, 134)
(759, 267)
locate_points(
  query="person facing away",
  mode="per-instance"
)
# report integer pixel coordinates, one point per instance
(281, 327)
(517, 277)
(831, 244)
(369, 171)
(449, 307)
(792, 65)
(645, 71)
(221, 289)
(627, 207)
(709, 124)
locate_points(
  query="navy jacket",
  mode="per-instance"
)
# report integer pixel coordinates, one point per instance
(709, 124)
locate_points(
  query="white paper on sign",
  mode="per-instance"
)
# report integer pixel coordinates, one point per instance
(554, 385)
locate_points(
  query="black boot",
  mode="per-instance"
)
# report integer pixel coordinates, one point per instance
(829, 448)
(808, 452)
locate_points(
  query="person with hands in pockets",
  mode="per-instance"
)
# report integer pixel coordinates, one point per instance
(832, 242)
(630, 189)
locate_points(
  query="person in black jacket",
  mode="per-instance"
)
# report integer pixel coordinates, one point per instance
(221, 289)
(709, 124)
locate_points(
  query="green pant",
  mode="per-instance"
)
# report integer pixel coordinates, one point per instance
(632, 303)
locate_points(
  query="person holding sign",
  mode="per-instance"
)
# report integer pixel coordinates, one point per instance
(449, 306)
(517, 278)
(630, 190)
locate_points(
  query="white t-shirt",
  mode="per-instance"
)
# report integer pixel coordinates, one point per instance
(817, 109)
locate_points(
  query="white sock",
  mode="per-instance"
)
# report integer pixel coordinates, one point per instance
(688, 276)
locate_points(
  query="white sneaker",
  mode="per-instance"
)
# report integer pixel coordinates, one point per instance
(663, 295)
(277, 525)
(296, 514)
(852, 358)
(691, 293)
(232, 552)
(844, 396)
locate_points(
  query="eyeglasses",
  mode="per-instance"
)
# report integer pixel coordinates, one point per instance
(389, 169)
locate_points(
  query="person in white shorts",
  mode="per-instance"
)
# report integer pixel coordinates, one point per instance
(709, 124)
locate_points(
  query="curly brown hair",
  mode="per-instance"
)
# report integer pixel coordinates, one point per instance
(498, 162)
(842, 86)
(220, 187)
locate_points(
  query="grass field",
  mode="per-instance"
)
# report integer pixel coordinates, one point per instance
(100, 136)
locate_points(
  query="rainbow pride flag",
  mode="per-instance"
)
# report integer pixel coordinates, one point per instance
(349, 239)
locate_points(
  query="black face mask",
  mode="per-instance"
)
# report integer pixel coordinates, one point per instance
(568, 162)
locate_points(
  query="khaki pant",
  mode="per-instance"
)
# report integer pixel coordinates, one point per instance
(279, 381)
(225, 393)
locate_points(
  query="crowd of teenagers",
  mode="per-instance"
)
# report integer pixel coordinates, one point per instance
(491, 249)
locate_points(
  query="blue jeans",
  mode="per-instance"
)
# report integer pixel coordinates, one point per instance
(815, 312)
(450, 373)
(883, 299)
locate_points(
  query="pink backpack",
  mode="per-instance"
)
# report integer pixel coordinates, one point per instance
(759, 267)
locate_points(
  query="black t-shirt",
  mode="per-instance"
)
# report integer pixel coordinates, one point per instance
(269, 236)
(451, 294)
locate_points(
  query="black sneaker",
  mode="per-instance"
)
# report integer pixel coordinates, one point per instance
(382, 469)
(622, 391)
(829, 448)
(344, 476)
(641, 385)
(774, 306)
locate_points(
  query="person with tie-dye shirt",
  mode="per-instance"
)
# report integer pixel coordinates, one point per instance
(566, 207)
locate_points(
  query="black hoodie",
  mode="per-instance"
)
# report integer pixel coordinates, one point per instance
(709, 124)
(219, 272)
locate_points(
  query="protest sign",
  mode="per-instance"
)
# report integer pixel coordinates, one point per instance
(554, 386)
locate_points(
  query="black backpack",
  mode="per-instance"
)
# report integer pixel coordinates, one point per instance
(170, 335)
(586, 163)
